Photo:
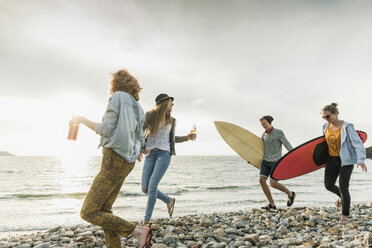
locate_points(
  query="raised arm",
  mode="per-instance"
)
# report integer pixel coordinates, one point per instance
(180, 139)
(109, 120)
(83, 120)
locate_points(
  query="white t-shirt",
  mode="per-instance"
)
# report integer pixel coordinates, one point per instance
(160, 140)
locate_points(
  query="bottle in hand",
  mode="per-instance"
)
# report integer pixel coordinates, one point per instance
(73, 131)
(193, 132)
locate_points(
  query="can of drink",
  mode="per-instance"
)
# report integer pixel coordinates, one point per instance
(73, 131)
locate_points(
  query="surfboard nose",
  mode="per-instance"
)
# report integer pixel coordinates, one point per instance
(246, 144)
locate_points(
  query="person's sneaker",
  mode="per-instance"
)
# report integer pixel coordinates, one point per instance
(268, 207)
(291, 199)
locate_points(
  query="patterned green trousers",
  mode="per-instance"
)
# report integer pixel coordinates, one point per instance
(103, 193)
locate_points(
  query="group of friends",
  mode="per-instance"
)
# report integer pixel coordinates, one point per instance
(345, 148)
(127, 133)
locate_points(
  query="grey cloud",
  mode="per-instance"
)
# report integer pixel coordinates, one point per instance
(245, 58)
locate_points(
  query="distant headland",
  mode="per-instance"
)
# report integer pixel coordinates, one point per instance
(4, 153)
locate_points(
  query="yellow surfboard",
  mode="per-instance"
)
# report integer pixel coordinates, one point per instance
(248, 145)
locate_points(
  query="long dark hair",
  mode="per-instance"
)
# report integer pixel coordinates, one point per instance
(160, 117)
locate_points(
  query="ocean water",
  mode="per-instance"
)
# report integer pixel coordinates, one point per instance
(38, 193)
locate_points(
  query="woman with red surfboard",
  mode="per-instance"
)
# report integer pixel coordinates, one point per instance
(345, 149)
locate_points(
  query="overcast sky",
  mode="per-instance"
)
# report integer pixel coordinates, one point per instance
(231, 61)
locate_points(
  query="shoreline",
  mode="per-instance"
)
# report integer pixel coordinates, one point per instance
(282, 227)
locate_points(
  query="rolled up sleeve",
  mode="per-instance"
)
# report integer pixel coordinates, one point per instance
(109, 120)
(357, 144)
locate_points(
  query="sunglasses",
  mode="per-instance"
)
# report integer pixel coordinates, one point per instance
(326, 117)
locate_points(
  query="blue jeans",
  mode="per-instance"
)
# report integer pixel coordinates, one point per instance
(156, 164)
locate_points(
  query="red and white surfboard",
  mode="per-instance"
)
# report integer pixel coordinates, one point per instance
(304, 159)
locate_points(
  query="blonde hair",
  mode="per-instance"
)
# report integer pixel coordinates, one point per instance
(123, 81)
(332, 108)
(159, 118)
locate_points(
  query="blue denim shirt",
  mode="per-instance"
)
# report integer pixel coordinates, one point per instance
(352, 149)
(121, 127)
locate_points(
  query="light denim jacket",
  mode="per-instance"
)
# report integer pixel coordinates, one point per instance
(352, 149)
(121, 127)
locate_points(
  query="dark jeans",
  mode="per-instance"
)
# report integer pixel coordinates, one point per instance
(334, 169)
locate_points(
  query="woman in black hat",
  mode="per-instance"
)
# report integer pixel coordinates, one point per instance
(160, 136)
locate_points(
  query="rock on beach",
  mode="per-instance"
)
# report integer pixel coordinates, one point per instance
(302, 227)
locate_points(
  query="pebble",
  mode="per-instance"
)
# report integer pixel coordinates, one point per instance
(4, 244)
(169, 239)
(70, 233)
(302, 227)
(191, 243)
(65, 239)
(367, 239)
(43, 245)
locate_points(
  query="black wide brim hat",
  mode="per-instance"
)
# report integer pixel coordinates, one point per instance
(161, 97)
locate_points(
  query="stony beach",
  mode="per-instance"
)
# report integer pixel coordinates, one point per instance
(283, 227)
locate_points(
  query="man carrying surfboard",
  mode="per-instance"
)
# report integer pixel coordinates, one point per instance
(273, 139)
(345, 149)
